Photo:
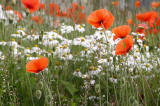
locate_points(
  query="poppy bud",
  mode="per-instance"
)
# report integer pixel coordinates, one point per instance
(38, 94)
(40, 85)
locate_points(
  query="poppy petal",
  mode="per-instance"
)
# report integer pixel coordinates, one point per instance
(37, 65)
(124, 45)
(101, 17)
(121, 31)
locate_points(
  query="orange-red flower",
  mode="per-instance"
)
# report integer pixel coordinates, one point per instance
(81, 18)
(37, 65)
(63, 14)
(41, 6)
(157, 22)
(19, 15)
(8, 7)
(121, 31)
(137, 4)
(115, 3)
(147, 16)
(130, 21)
(32, 5)
(154, 27)
(124, 45)
(75, 6)
(37, 19)
(141, 28)
(155, 4)
(75, 14)
(153, 31)
(101, 17)
(54, 9)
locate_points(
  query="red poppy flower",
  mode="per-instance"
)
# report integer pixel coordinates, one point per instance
(54, 9)
(37, 19)
(18, 14)
(153, 31)
(124, 45)
(137, 4)
(147, 16)
(130, 21)
(37, 65)
(141, 28)
(155, 4)
(75, 6)
(32, 5)
(101, 17)
(41, 6)
(115, 3)
(8, 8)
(82, 18)
(157, 22)
(63, 14)
(75, 14)
(81, 8)
(121, 31)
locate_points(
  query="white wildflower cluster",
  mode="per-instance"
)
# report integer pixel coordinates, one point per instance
(80, 28)
(97, 48)
(66, 28)
(2, 57)
(8, 16)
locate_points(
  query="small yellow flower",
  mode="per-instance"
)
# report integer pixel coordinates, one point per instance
(80, 26)
(82, 39)
(77, 70)
(17, 32)
(135, 57)
(99, 46)
(94, 68)
(137, 50)
(54, 30)
(13, 40)
(64, 55)
(121, 61)
(22, 29)
(58, 63)
(27, 48)
(102, 30)
(65, 46)
(28, 55)
(56, 45)
(147, 65)
(35, 45)
(50, 39)
(86, 49)
(138, 38)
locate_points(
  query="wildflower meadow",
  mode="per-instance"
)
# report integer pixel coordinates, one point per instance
(79, 53)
